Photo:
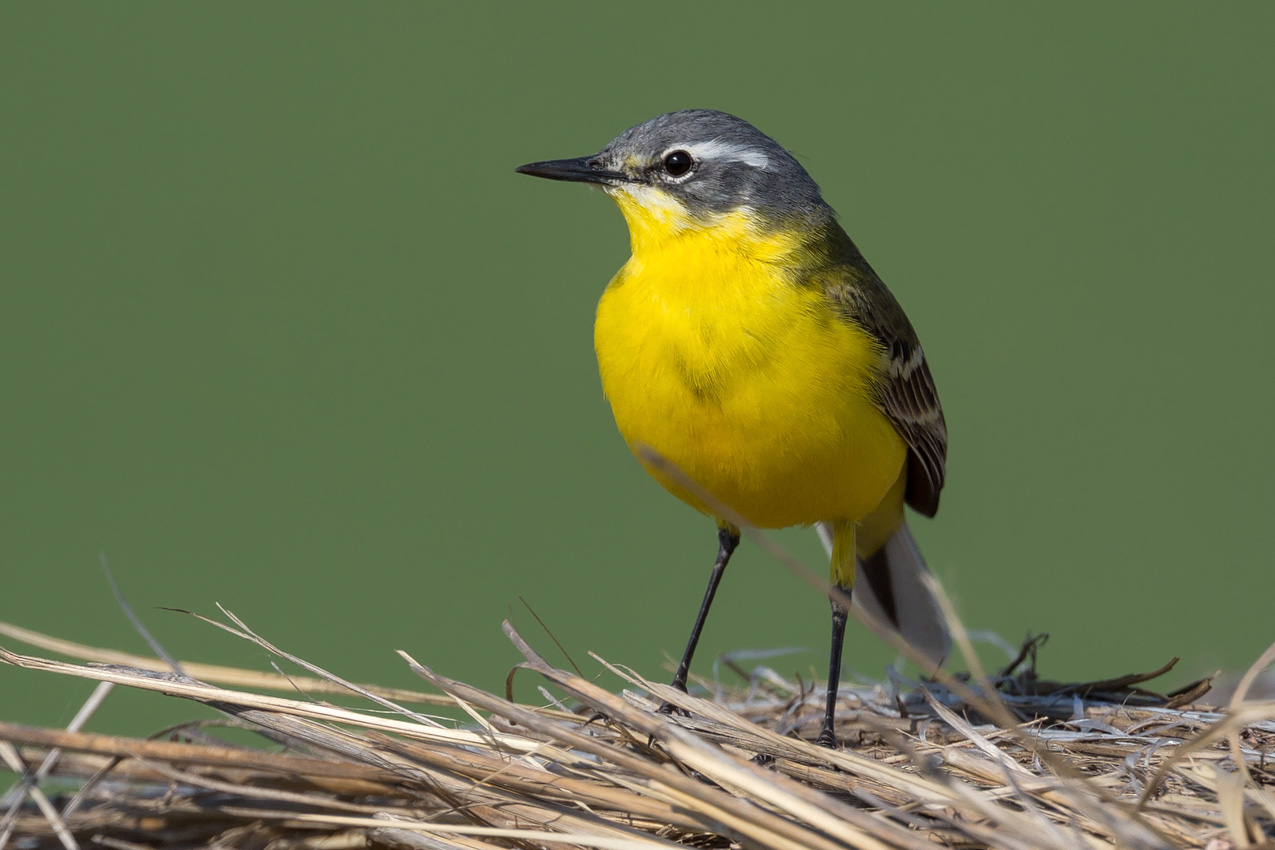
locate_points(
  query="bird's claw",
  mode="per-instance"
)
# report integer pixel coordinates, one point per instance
(669, 709)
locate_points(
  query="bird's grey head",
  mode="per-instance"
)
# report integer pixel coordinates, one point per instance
(708, 161)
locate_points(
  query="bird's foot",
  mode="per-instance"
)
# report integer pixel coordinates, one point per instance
(597, 717)
(679, 682)
(670, 709)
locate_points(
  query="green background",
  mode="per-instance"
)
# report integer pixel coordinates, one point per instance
(281, 328)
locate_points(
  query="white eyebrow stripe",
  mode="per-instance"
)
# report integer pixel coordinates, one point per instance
(718, 149)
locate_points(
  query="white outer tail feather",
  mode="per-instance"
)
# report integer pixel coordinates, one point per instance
(921, 621)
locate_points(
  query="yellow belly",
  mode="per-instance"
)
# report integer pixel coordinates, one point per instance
(748, 384)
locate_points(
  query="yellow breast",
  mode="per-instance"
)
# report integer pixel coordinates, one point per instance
(744, 379)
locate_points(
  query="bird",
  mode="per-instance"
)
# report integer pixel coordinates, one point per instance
(753, 359)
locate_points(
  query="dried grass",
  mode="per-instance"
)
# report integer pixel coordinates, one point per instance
(1012, 764)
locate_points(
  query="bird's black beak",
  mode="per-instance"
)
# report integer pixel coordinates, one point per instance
(584, 169)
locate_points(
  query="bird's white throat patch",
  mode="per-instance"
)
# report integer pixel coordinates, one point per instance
(652, 201)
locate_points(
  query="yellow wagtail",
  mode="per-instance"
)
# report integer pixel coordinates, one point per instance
(749, 344)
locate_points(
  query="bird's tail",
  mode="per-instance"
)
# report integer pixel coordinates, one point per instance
(890, 588)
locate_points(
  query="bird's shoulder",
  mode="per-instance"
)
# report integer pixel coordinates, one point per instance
(904, 389)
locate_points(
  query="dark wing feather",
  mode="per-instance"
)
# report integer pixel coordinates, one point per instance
(909, 398)
(906, 393)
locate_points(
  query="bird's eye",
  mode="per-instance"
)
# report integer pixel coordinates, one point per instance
(678, 163)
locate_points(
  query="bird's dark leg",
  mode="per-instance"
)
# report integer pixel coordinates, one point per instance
(727, 540)
(827, 735)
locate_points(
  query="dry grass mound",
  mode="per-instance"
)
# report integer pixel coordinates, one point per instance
(966, 762)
